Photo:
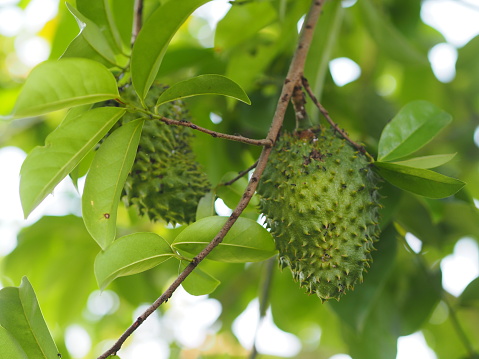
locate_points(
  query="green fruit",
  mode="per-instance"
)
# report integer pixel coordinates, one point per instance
(165, 181)
(320, 199)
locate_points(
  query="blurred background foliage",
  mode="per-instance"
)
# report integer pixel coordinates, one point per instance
(252, 44)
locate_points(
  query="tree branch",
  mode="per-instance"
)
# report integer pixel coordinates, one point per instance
(212, 133)
(293, 78)
(240, 174)
(137, 20)
(169, 121)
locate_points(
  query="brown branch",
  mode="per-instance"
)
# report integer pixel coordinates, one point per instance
(193, 126)
(293, 78)
(325, 113)
(212, 133)
(240, 174)
(137, 20)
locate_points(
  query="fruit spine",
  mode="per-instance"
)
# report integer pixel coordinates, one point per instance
(165, 182)
(320, 199)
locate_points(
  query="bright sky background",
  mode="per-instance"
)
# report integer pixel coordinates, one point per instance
(456, 19)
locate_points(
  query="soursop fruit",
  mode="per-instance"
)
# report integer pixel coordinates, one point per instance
(320, 199)
(165, 181)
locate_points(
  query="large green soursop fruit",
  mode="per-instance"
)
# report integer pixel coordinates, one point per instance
(319, 197)
(165, 182)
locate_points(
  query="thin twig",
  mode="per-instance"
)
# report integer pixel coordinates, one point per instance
(331, 122)
(240, 174)
(212, 133)
(293, 77)
(193, 126)
(137, 20)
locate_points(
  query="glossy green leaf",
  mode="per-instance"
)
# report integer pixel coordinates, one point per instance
(106, 179)
(99, 12)
(153, 39)
(470, 295)
(199, 282)
(355, 307)
(206, 206)
(69, 82)
(247, 241)
(53, 245)
(251, 59)
(427, 161)
(9, 346)
(414, 126)
(256, 14)
(64, 148)
(93, 35)
(388, 38)
(123, 17)
(82, 167)
(131, 254)
(204, 85)
(21, 316)
(419, 181)
(80, 47)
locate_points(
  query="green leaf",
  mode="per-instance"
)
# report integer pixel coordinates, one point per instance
(256, 14)
(21, 316)
(64, 148)
(80, 47)
(53, 245)
(82, 168)
(388, 38)
(206, 206)
(106, 179)
(247, 241)
(131, 254)
(123, 17)
(427, 161)
(93, 35)
(419, 181)
(153, 39)
(248, 61)
(414, 126)
(10, 347)
(199, 282)
(100, 13)
(470, 295)
(54, 85)
(355, 307)
(204, 85)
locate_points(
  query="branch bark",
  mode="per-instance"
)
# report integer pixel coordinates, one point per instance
(212, 133)
(137, 20)
(293, 78)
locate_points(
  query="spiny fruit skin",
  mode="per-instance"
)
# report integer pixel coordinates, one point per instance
(165, 182)
(320, 199)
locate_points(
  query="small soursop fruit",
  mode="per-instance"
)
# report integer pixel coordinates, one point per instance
(320, 199)
(165, 182)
